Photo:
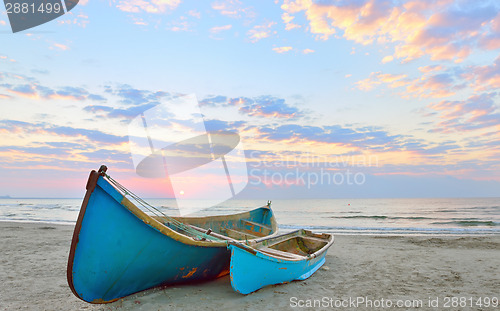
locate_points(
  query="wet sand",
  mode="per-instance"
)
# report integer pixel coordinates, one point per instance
(361, 273)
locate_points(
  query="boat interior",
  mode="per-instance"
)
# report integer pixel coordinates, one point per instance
(256, 225)
(296, 247)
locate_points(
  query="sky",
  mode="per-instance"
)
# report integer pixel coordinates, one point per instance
(331, 99)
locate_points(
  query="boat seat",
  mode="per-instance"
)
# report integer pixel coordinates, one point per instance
(265, 228)
(252, 223)
(315, 239)
(276, 252)
(235, 234)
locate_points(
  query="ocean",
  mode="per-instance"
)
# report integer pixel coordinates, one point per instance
(463, 216)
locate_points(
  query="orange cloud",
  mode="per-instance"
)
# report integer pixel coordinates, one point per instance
(387, 59)
(434, 28)
(282, 49)
(260, 32)
(287, 19)
(28, 93)
(427, 69)
(378, 78)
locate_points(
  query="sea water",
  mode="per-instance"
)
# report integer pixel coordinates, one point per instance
(458, 216)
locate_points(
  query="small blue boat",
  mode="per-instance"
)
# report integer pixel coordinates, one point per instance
(118, 249)
(279, 259)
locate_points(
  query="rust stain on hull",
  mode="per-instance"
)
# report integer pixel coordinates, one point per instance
(193, 271)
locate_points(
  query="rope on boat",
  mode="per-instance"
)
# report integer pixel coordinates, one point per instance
(168, 220)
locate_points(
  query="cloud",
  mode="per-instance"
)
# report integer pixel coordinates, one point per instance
(152, 6)
(119, 113)
(287, 19)
(90, 135)
(214, 100)
(484, 78)
(60, 46)
(133, 96)
(94, 136)
(307, 51)
(282, 49)
(194, 13)
(434, 86)
(79, 19)
(24, 90)
(359, 138)
(429, 85)
(477, 112)
(218, 29)
(34, 90)
(181, 24)
(260, 32)
(387, 59)
(378, 78)
(219, 125)
(232, 8)
(443, 30)
(268, 106)
(132, 102)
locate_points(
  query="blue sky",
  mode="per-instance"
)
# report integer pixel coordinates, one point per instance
(414, 84)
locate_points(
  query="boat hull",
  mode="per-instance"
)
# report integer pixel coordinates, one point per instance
(115, 253)
(251, 269)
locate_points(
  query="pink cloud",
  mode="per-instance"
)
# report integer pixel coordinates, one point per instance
(194, 13)
(60, 46)
(152, 6)
(429, 85)
(438, 29)
(484, 77)
(232, 8)
(477, 112)
(218, 29)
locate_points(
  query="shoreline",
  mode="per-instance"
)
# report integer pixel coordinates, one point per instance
(34, 258)
(383, 231)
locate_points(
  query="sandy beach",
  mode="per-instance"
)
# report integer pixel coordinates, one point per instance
(361, 272)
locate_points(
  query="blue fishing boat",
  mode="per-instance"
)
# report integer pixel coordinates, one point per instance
(119, 249)
(279, 259)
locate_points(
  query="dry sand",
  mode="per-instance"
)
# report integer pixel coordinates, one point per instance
(33, 261)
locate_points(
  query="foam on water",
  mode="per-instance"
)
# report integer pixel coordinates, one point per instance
(340, 216)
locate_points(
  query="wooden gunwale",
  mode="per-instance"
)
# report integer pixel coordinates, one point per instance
(256, 246)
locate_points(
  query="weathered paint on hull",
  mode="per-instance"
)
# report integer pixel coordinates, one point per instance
(114, 253)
